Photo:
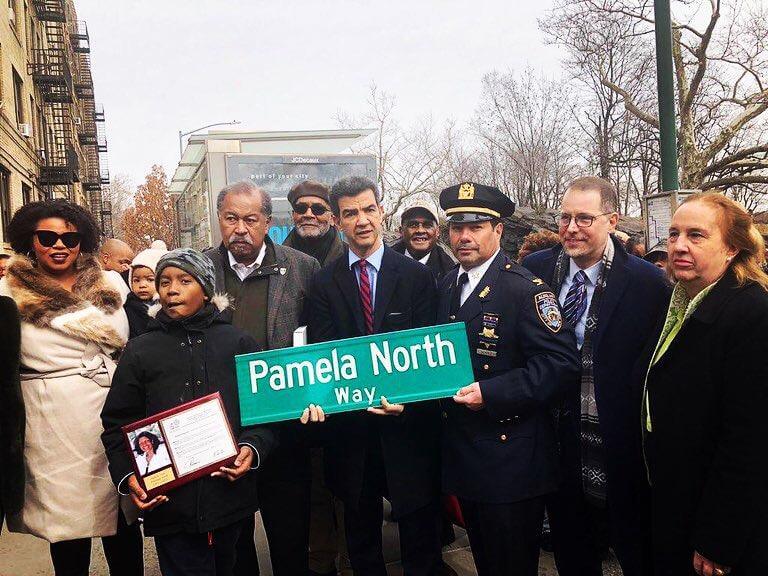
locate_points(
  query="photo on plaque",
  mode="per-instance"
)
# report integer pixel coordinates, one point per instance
(181, 444)
(150, 451)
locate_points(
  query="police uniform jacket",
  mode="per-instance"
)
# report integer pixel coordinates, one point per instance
(525, 359)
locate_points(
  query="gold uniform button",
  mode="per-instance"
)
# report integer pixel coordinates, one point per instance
(486, 367)
(503, 437)
(445, 415)
(508, 266)
(451, 317)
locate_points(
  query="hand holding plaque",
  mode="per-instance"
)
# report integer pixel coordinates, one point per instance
(181, 445)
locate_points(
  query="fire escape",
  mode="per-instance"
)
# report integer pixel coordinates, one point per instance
(91, 134)
(51, 71)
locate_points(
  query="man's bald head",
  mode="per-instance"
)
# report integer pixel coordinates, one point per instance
(115, 255)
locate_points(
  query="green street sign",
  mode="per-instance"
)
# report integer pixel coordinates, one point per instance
(353, 374)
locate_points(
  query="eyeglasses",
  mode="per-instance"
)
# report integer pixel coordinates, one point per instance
(582, 220)
(317, 209)
(48, 238)
(415, 224)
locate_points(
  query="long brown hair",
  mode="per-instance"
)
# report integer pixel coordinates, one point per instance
(739, 233)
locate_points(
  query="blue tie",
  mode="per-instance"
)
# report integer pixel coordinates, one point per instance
(576, 299)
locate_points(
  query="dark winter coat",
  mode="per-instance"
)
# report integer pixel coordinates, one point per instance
(708, 397)
(11, 412)
(635, 298)
(173, 363)
(409, 443)
(138, 318)
(439, 263)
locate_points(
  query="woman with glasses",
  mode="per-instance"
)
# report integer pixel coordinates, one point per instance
(72, 326)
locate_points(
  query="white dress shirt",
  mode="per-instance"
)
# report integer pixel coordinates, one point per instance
(474, 276)
(593, 273)
(422, 260)
(244, 270)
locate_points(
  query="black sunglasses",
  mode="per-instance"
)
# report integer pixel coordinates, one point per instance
(47, 238)
(317, 209)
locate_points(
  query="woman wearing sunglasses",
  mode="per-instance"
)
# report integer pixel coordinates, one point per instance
(72, 325)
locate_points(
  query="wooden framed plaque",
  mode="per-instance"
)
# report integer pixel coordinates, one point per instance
(182, 444)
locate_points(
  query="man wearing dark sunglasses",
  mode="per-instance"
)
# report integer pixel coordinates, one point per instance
(313, 233)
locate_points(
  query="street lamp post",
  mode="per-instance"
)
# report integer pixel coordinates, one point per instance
(182, 134)
(666, 88)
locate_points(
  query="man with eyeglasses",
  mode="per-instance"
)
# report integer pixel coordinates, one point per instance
(420, 231)
(267, 284)
(613, 300)
(313, 232)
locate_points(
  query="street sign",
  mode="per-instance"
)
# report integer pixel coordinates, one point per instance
(353, 374)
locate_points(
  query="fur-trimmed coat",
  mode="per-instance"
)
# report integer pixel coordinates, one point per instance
(68, 340)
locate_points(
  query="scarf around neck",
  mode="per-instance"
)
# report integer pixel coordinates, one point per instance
(318, 248)
(592, 450)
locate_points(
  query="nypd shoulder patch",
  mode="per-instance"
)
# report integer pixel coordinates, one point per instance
(549, 311)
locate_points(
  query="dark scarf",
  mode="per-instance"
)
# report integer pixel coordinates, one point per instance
(318, 248)
(592, 450)
(198, 322)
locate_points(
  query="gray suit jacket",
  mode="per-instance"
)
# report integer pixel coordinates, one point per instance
(287, 291)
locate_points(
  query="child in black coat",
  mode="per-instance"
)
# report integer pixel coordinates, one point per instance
(188, 352)
(141, 280)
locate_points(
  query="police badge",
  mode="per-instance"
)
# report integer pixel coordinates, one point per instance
(549, 311)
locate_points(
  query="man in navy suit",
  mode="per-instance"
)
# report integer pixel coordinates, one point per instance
(613, 300)
(390, 451)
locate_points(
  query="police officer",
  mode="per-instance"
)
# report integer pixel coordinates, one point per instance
(499, 441)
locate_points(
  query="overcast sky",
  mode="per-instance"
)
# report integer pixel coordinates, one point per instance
(160, 66)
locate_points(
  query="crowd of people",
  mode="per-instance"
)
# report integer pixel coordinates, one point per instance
(621, 393)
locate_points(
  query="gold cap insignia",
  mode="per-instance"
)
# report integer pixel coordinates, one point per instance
(466, 191)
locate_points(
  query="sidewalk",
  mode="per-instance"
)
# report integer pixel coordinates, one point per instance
(23, 555)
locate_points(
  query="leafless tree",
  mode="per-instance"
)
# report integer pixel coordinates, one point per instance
(721, 73)
(527, 137)
(119, 193)
(412, 160)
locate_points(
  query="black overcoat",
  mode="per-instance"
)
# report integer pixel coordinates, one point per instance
(169, 365)
(12, 419)
(708, 399)
(635, 298)
(405, 298)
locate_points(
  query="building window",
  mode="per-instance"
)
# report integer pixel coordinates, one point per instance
(18, 91)
(5, 198)
(13, 14)
(26, 193)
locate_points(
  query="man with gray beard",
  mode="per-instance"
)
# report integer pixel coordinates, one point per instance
(314, 233)
(267, 284)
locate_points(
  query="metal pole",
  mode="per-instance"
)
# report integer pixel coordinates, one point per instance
(181, 136)
(666, 88)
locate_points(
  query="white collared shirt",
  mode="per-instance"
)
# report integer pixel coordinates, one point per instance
(373, 265)
(474, 276)
(244, 270)
(422, 260)
(593, 273)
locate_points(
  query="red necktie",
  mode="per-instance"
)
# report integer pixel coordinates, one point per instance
(365, 295)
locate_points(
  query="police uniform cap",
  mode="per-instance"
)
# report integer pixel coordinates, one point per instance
(473, 202)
